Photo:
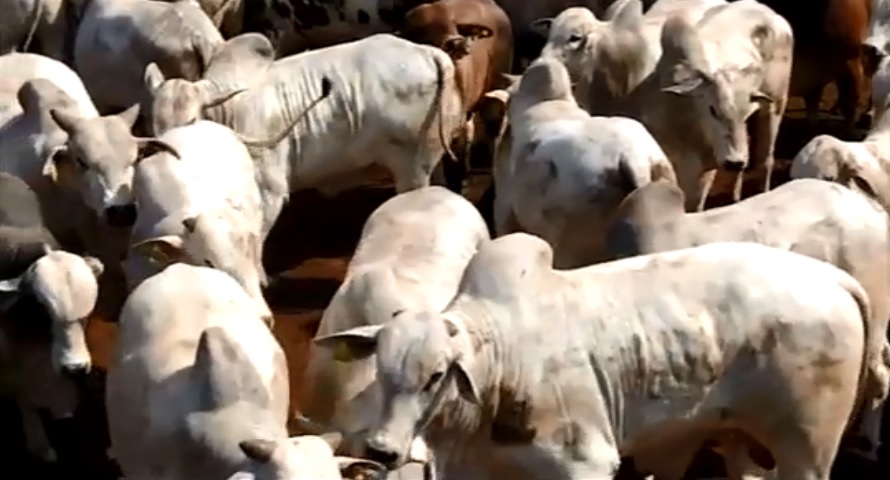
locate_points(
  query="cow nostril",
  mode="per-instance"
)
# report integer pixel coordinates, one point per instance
(734, 165)
(76, 371)
(384, 457)
(121, 215)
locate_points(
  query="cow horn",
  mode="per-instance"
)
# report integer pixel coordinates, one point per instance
(258, 449)
(150, 146)
(326, 87)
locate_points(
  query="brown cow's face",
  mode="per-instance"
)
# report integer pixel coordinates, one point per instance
(433, 24)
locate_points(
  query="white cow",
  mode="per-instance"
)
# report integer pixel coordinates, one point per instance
(117, 39)
(78, 163)
(814, 218)
(203, 208)
(199, 387)
(609, 58)
(558, 374)
(863, 165)
(395, 104)
(411, 255)
(567, 171)
(713, 78)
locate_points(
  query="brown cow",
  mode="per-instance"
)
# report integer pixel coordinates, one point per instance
(477, 35)
(828, 38)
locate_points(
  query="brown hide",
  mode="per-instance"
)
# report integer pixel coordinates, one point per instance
(477, 35)
(828, 37)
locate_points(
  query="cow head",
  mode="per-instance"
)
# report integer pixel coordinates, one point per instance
(574, 35)
(419, 357)
(101, 152)
(434, 24)
(722, 100)
(216, 240)
(66, 287)
(303, 458)
(176, 102)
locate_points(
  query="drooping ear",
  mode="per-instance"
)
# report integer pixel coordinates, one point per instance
(150, 146)
(474, 31)
(163, 250)
(541, 26)
(95, 265)
(130, 115)
(9, 292)
(53, 155)
(258, 449)
(457, 47)
(153, 77)
(65, 119)
(686, 81)
(466, 387)
(761, 97)
(224, 374)
(353, 344)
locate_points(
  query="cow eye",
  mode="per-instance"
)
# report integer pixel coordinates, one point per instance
(80, 162)
(713, 111)
(208, 263)
(434, 380)
(575, 38)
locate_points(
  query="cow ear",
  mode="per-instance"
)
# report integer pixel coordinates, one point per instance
(130, 115)
(153, 77)
(9, 292)
(353, 344)
(162, 250)
(686, 81)
(542, 26)
(466, 387)
(95, 265)
(258, 450)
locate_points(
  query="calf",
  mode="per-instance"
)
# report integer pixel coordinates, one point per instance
(557, 374)
(45, 298)
(567, 171)
(199, 387)
(814, 218)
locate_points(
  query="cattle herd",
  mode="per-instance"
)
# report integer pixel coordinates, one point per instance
(601, 316)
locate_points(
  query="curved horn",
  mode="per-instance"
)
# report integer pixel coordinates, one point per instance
(326, 87)
(150, 146)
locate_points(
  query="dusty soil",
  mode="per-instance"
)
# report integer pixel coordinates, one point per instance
(311, 244)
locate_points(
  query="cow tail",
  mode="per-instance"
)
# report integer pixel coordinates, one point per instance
(438, 103)
(35, 21)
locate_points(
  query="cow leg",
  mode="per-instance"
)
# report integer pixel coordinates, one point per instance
(764, 132)
(706, 181)
(849, 87)
(36, 440)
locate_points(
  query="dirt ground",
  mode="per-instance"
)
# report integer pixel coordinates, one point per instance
(311, 244)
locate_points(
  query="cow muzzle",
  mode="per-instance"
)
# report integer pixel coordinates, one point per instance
(382, 452)
(121, 215)
(734, 164)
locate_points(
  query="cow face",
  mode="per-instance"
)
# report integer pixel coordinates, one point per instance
(177, 102)
(214, 240)
(66, 286)
(306, 457)
(101, 153)
(723, 101)
(419, 357)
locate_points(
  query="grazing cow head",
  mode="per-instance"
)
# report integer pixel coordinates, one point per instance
(97, 153)
(304, 458)
(216, 240)
(177, 102)
(419, 358)
(575, 35)
(722, 99)
(65, 286)
(434, 24)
